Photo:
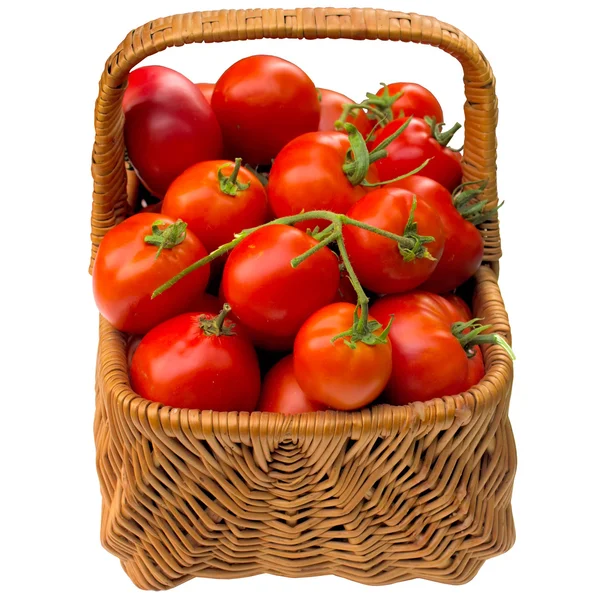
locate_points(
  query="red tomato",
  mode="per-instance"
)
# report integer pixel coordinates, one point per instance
(169, 126)
(428, 360)
(268, 296)
(127, 270)
(213, 205)
(410, 150)
(196, 361)
(415, 101)
(281, 393)
(308, 174)
(463, 251)
(332, 106)
(207, 90)
(460, 305)
(263, 102)
(335, 374)
(377, 260)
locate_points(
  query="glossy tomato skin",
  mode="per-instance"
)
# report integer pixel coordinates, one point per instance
(281, 393)
(213, 215)
(460, 305)
(169, 126)
(179, 365)
(376, 259)
(267, 295)
(332, 106)
(127, 271)
(207, 90)
(262, 102)
(308, 175)
(410, 150)
(428, 361)
(416, 100)
(334, 374)
(463, 251)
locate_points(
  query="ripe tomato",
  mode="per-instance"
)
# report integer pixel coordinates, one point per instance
(269, 297)
(281, 393)
(207, 90)
(169, 126)
(377, 260)
(463, 251)
(332, 106)
(215, 202)
(197, 360)
(415, 101)
(308, 174)
(460, 305)
(263, 102)
(409, 150)
(334, 373)
(428, 359)
(127, 270)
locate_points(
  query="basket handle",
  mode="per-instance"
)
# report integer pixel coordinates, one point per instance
(481, 108)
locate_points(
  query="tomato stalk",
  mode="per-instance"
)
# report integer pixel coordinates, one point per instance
(463, 199)
(169, 237)
(475, 337)
(384, 102)
(216, 326)
(442, 137)
(229, 184)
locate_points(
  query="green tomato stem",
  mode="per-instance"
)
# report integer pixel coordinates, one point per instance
(475, 337)
(230, 185)
(169, 237)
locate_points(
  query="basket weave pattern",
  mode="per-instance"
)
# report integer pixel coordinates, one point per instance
(377, 496)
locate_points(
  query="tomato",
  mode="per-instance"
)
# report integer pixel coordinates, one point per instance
(169, 126)
(415, 100)
(263, 102)
(377, 260)
(207, 90)
(410, 150)
(428, 359)
(199, 361)
(215, 202)
(463, 251)
(333, 373)
(281, 393)
(308, 174)
(269, 297)
(332, 106)
(460, 305)
(127, 270)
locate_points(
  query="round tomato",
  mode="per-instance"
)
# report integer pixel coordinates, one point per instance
(217, 200)
(332, 107)
(428, 360)
(169, 126)
(207, 90)
(414, 100)
(412, 148)
(380, 264)
(269, 297)
(263, 102)
(281, 393)
(197, 360)
(131, 264)
(336, 371)
(308, 174)
(463, 251)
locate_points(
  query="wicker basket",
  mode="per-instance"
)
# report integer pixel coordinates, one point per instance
(376, 496)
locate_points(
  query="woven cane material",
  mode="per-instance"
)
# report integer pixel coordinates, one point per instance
(377, 496)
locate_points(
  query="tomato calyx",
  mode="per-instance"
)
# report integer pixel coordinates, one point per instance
(442, 137)
(169, 237)
(466, 201)
(475, 337)
(229, 184)
(215, 326)
(416, 249)
(364, 331)
(384, 102)
(359, 159)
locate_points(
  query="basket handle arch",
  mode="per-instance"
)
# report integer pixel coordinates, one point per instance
(109, 204)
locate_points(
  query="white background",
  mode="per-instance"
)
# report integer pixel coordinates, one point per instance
(545, 57)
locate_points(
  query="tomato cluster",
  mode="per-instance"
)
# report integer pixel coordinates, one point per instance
(285, 200)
